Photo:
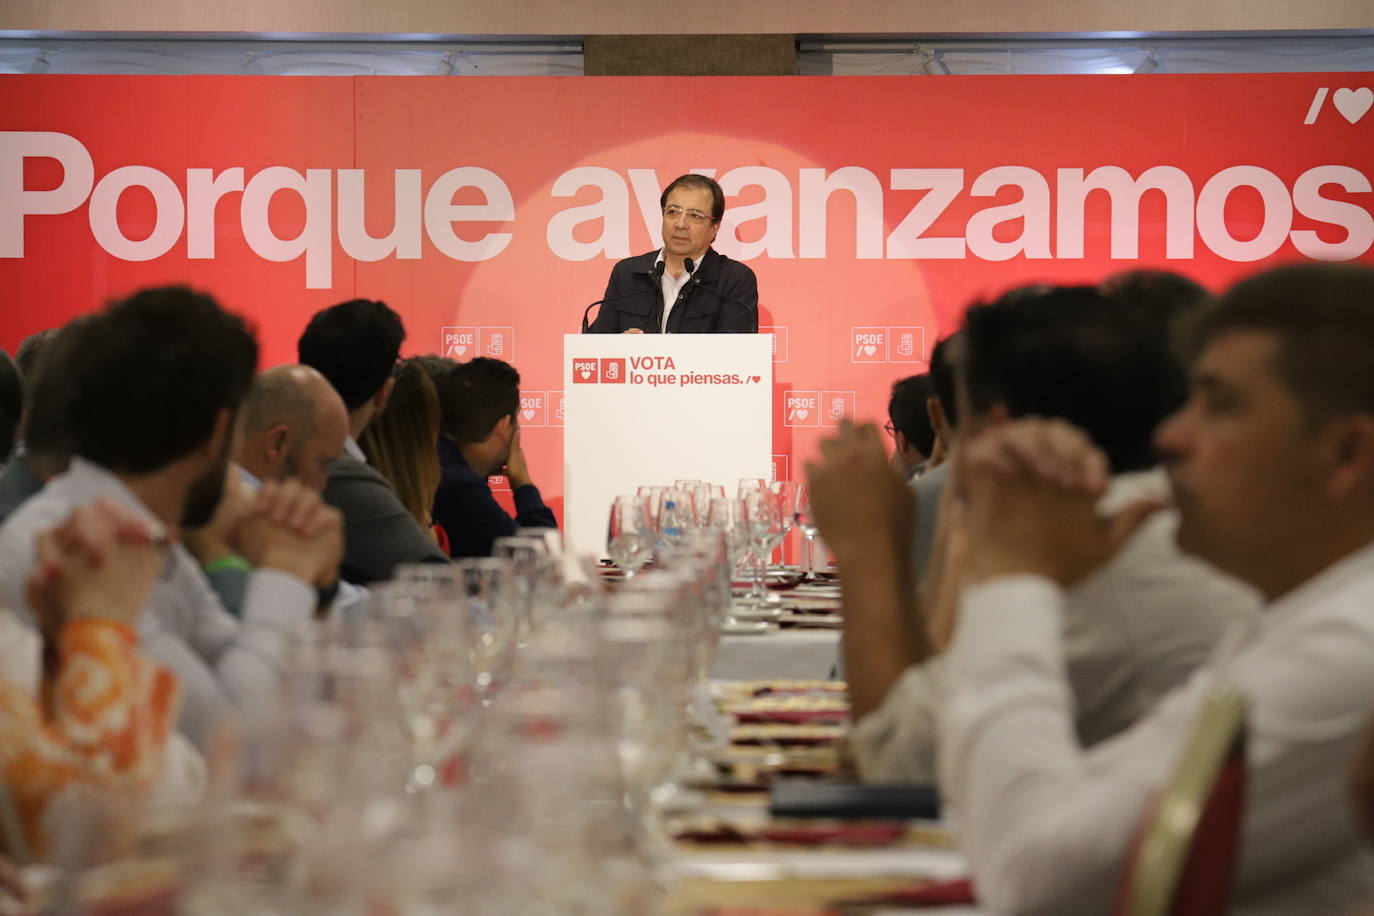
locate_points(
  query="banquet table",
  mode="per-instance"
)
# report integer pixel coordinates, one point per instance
(801, 654)
(804, 645)
(732, 857)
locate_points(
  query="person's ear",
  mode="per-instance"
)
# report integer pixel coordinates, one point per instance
(935, 411)
(715, 230)
(381, 397)
(274, 444)
(222, 429)
(1351, 456)
(501, 431)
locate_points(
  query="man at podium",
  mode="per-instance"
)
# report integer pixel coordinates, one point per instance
(685, 287)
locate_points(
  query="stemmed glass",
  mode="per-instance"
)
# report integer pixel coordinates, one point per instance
(806, 523)
(702, 495)
(485, 589)
(630, 534)
(427, 637)
(787, 491)
(749, 485)
(766, 527)
(528, 557)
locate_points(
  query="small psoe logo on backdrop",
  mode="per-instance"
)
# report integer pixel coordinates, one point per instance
(532, 411)
(1352, 104)
(499, 483)
(868, 345)
(458, 343)
(586, 371)
(801, 408)
(613, 371)
(779, 333)
(887, 345)
(779, 470)
(835, 406)
(555, 408)
(906, 345)
(497, 343)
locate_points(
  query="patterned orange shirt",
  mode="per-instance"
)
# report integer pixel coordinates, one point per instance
(108, 720)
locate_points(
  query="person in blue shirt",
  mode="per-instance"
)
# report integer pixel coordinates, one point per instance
(480, 436)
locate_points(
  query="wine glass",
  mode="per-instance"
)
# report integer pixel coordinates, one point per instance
(764, 522)
(630, 533)
(427, 637)
(786, 491)
(702, 495)
(806, 523)
(749, 485)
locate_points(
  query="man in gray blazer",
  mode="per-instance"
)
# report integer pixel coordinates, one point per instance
(355, 346)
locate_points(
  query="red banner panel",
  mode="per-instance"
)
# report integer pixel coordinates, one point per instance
(488, 211)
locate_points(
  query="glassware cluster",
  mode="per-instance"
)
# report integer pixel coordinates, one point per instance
(492, 736)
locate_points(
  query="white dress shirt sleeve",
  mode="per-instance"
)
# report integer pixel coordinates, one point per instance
(1043, 826)
(233, 672)
(895, 743)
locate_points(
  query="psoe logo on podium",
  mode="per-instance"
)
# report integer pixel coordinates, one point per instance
(835, 406)
(497, 343)
(801, 408)
(458, 343)
(532, 409)
(586, 370)
(555, 409)
(613, 371)
(868, 345)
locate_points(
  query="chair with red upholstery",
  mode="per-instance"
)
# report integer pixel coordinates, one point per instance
(1183, 859)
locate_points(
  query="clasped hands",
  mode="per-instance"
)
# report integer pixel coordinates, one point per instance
(1021, 499)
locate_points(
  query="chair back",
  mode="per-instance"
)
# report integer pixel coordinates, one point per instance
(1184, 860)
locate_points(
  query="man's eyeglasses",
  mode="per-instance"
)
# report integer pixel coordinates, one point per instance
(673, 211)
(891, 430)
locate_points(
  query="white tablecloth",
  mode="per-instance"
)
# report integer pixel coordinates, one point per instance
(805, 654)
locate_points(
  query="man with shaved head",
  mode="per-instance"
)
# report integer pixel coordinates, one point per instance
(294, 424)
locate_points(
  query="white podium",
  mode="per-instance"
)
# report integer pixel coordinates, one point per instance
(653, 408)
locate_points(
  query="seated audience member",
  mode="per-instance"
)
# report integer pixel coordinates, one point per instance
(30, 348)
(401, 444)
(1272, 465)
(355, 345)
(480, 401)
(45, 449)
(908, 423)
(1132, 632)
(11, 405)
(943, 410)
(91, 578)
(293, 427)
(147, 398)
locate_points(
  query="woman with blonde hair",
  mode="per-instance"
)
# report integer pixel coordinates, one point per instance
(401, 443)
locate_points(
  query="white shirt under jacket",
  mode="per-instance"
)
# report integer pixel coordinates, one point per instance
(231, 671)
(1132, 632)
(1045, 824)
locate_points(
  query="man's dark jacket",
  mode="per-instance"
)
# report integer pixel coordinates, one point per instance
(721, 297)
(471, 516)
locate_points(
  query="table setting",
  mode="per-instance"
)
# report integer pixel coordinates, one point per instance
(536, 733)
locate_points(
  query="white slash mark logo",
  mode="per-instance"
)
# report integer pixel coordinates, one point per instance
(1316, 107)
(1352, 104)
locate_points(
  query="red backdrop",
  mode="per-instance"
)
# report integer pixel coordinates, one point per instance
(488, 211)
